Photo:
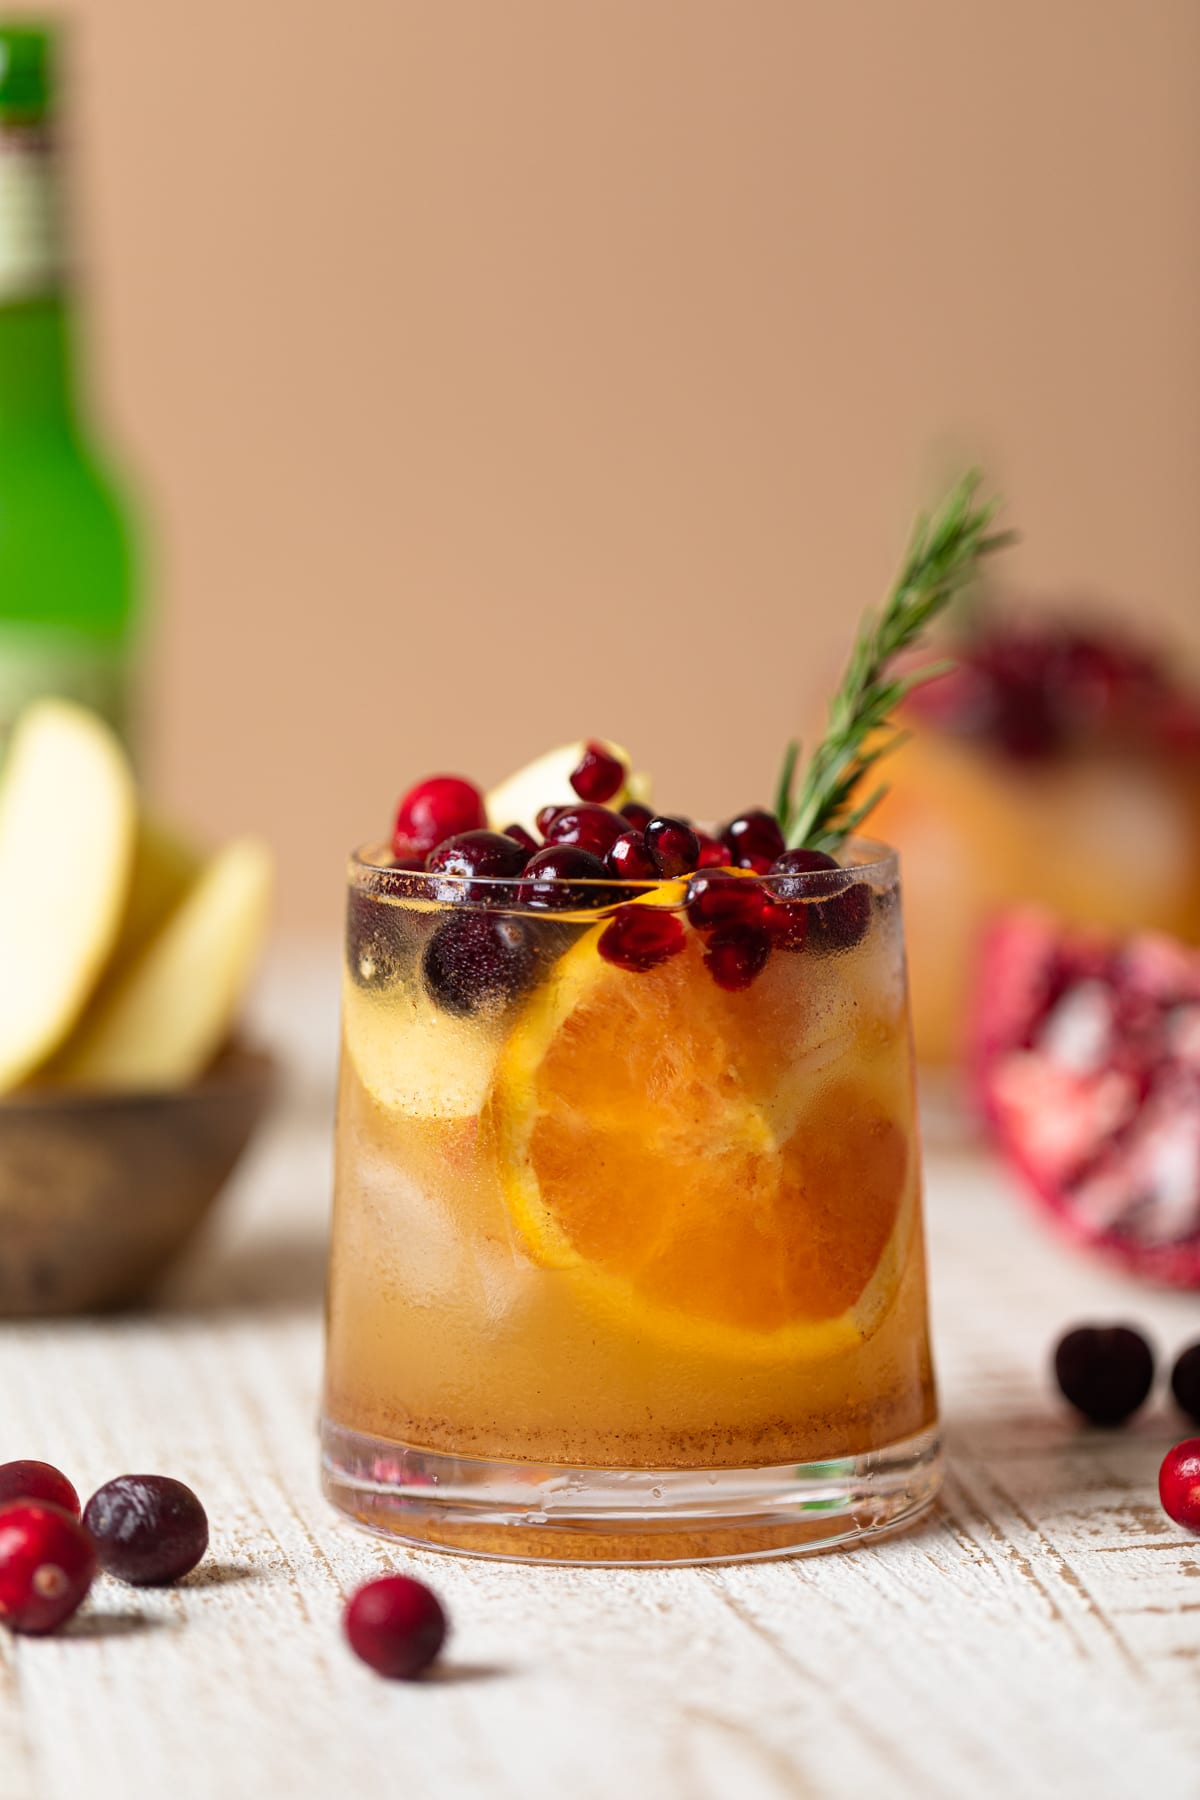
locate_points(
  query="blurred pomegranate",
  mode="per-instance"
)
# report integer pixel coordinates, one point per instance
(1058, 765)
(1085, 1054)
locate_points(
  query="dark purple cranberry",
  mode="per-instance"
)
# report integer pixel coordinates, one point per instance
(751, 837)
(148, 1529)
(641, 937)
(736, 954)
(801, 862)
(525, 838)
(713, 853)
(1105, 1371)
(673, 845)
(716, 898)
(639, 816)
(477, 962)
(558, 878)
(599, 775)
(435, 809)
(488, 854)
(395, 1625)
(1185, 1382)
(591, 828)
(37, 1481)
(837, 923)
(629, 858)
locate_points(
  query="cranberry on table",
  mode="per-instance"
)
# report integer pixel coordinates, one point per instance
(436, 809)
(1105, 1371)
(641, 937)
(639, 816)
(717, 898)
(1185, 1382)
(477, 962)
(752, 839)
(736, 955)
(1179, 1484)
(591, 828)
(47, 1561)
(562, 878)
(37, 1481)
(629, 858)
(395, 1625)
(599, 775)
(149, 1530)
(673, 845)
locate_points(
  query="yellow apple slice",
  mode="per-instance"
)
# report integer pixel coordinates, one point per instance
(546, 781)
(68, 821)
(164, 1021)
(165, 866)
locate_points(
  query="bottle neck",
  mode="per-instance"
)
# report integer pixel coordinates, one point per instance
(35, 364)
(35, 383)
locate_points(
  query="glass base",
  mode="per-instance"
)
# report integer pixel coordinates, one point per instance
(537, 1512)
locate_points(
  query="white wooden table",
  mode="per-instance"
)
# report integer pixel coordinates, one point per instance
(1040, 1635)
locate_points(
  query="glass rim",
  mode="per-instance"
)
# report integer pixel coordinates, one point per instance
(371, 871)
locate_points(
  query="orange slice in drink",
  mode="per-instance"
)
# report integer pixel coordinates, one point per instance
(656, 1137)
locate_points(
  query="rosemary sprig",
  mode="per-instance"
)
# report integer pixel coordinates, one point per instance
(943, 558)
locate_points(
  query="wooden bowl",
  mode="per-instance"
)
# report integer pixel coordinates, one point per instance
(99, 1191)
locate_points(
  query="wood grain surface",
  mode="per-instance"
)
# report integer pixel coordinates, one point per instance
(1039, 1636)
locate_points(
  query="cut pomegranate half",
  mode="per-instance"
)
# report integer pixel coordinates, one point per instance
(1086, 1063)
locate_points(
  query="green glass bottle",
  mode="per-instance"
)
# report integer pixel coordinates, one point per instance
(67, 575)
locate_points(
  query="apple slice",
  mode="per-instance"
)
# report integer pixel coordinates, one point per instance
(164, 1020)
(165, 866)
(68, 822)
(546, 781)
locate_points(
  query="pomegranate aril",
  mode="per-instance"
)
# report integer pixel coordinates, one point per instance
(673, 845)
(395, 1625)
(47, 1561)
(641, 937)
(1179, 1484)
(639, 816)
(434, 809)
(488, 855)
(599, 775)
(591, 828)
(629, 858)
(713, 854)
(1185, 1382)
(546, 816)
(148, 1530)
(1105, 1371)
(525, 838)
(477, 962)
(736, 954)
(752, 837)
(719, 898)
(559, 879)
(37, 1481)
(836, 923)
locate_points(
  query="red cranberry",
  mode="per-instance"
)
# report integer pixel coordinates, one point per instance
(713, 854)
(1185, 1382)
(751, 837)
(435, 809)
(673, 845)
(47, 1561)
(37, 1481)
(718, 898)
(487, 854)
(598, 775)
(558, 877)
(639, 816)
(641, 937)
(736, 954)
(629, 858)
(395, 1625)
(1179, 1484)
(149, 1529)
(1105, 1371)
(477, 962)
(837, 923)
(591, 828)
(525, 838)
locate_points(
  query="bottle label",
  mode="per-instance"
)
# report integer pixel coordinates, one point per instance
(35, 664)
(30, 239)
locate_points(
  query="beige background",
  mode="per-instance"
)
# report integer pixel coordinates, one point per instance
(501, 371)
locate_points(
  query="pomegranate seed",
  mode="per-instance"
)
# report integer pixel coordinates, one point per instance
(641, 937)
(599, 775)
(558, 879)
(1105, 1371)
(47, 1561)
(435, 809)
(477, 962)
(591, 828)
(736, 954)
(1179, 1484)
(786, 922)
(1185, 1382)
(395, 1625)
(751, 837)
(719, 898)
(639, 816)
(629, 858)
(37, 1481)
(673, 845)
(713, 854)
(546, 817)
(837, 923)
(486, 854)
(149, 1529)
(525, 838)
